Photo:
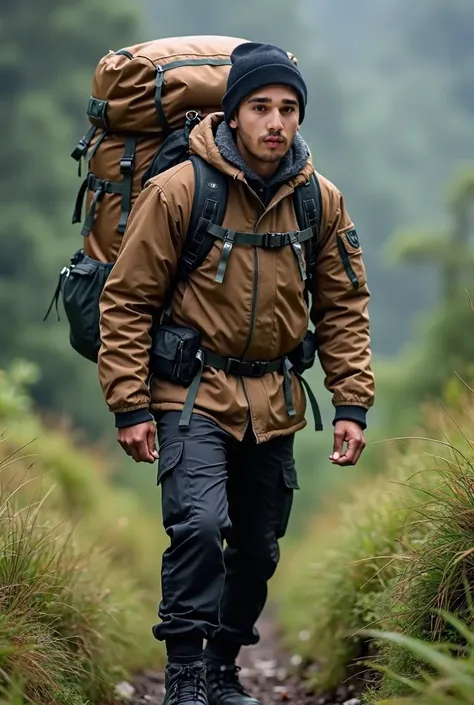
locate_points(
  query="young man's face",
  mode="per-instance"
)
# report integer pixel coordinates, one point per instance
(266, 124)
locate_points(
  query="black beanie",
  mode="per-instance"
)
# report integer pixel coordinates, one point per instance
(256, 65)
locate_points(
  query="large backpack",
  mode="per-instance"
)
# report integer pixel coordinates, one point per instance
(145, 101)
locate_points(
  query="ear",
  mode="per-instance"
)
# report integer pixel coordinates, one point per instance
(233, 123)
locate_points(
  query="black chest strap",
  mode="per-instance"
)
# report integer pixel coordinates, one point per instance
(266, 240)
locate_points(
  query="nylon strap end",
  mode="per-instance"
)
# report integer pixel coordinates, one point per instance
(226, 250)
(185, 418)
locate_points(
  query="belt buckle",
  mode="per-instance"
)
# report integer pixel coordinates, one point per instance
(273, 240)
(231, 363)
(258, 368)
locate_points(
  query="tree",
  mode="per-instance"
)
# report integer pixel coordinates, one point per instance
(45, 81)
(444, 347)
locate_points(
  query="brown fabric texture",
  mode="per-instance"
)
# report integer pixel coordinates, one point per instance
(127, 84)
(260, 280)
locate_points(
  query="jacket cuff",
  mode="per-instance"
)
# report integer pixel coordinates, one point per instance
(351, 413)
(132, 418)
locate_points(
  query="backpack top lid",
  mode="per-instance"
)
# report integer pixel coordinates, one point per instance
(169, 76)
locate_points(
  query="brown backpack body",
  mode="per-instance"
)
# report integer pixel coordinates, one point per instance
(141, 96)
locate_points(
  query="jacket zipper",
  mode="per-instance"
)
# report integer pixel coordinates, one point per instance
(253, 314)
(253, 317)
(344, 255)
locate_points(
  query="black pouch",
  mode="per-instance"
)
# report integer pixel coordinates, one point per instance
(80, 285)
(174, 353)
(303, 357)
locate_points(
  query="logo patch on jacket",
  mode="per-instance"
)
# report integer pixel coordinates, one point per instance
(353, 238)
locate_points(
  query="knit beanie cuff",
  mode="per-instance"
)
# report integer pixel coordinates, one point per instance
(258, 78)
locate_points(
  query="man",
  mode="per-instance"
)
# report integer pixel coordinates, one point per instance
(230, 474)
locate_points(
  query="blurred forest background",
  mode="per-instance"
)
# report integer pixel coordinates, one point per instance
(391, 108)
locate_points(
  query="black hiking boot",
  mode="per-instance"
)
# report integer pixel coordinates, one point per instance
(224, 687)
(185, 684)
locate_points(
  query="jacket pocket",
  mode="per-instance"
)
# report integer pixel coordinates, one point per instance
(288, 485)
(176, 500)
(348, 247)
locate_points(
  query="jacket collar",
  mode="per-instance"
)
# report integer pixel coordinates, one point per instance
(203, 143)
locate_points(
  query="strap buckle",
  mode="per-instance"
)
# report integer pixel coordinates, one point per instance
(126, 165)
(271, 240)
(257, 368)
(245, 368)
(232, 366)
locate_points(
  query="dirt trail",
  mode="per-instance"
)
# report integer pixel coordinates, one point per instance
(265, 673)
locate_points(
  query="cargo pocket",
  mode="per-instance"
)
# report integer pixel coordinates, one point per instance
(176, 499)
(288, 485)
(349, 249)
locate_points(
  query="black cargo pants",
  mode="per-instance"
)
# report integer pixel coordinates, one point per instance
(217, 489)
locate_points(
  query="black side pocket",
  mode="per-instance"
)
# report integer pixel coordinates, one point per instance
(304, 355)
(346, 262)
(289, 485)
(81, 288)
(175, 488)
(174, 353)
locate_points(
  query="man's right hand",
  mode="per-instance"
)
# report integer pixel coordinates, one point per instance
(139, 442)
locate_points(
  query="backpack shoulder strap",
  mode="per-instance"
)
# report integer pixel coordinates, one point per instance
(209, 205)
(308, 206)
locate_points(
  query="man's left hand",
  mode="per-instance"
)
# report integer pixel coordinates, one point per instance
(348, 432)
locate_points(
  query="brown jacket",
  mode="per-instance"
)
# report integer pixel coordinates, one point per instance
(223, 313)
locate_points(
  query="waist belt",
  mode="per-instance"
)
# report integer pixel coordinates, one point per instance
(248, 368)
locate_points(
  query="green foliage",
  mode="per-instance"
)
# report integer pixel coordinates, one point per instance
(45, 83)
(446, 675)
(78, 575)
(441, 348)
(335, 584)
(392, 556)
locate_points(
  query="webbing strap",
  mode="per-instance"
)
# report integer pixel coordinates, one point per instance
(241, 368)
(126, 168)
(84, 143)
(99, 187)
(160, 73)
(287, 388)
(265, 240)
(318, 423)
(191, 395)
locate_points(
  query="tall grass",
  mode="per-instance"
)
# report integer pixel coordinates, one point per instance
(335, 584)
(66, 617)
(79, 566)
(445, 675)
(399, 551)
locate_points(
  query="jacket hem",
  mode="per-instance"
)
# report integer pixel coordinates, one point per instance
(235, 432)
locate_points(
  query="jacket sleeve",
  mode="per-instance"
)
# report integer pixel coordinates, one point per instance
(339, 312)
(134, 293)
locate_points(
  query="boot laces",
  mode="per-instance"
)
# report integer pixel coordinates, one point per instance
(188, 684)
(228, 680)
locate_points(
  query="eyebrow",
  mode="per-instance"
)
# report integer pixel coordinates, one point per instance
(262, 99)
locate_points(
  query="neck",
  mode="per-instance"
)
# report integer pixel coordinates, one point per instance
(263, 169)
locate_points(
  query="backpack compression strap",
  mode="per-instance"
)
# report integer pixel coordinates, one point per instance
(209, 206)
(308, 205)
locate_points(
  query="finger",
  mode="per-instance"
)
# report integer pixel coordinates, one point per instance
(152, 444)
(144, 454)
(353, 445)
(337, 445)
(359, 452)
